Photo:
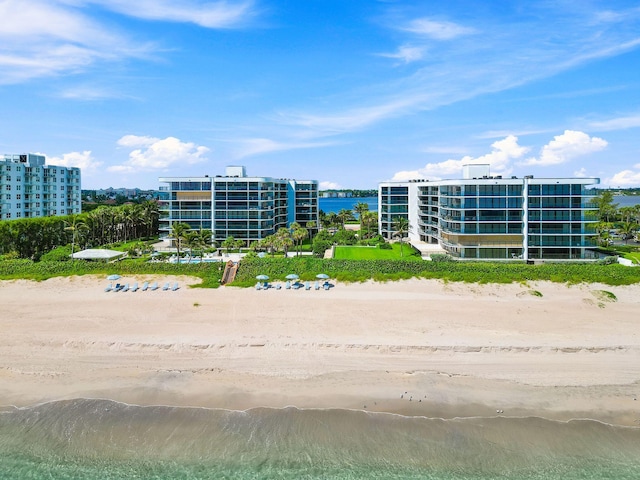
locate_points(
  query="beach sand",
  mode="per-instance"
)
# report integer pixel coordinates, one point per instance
(415, 347)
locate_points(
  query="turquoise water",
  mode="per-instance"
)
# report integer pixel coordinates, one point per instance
(328, 205)
(87, 439)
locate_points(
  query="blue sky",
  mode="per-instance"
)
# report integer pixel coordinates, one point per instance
(347, 92)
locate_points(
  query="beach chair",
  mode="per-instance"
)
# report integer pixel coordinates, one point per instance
(326, 286)
(154, 286)
(135, 287)
(165, 287)
(175, 287)
(278, 286)
(307, 286)
(145, 286)
(258, 286)
(117, 287)
(109, 287)
(266, 286)
(125, 288)
(287, 285)
(317, 285)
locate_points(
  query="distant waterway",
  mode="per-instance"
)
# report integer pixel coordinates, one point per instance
(328, 205)
(626, 200)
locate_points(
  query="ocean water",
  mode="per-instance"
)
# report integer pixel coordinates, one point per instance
(101, 439)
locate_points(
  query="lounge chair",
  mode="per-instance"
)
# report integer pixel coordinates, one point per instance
(175, 287)
(109, 287)
(287, 285)
(165, 286)
(125, 288)
(258, 286)
(317, 285)
(307, 285)
(326, 286)
(145, 286)
(278, 286)
(117, 287)
(135, 287)
(154, 286)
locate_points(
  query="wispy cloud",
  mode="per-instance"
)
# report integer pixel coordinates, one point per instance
(327, 185)
(474, 60)
(259, 146)
(437, 30)
(42, 38)
(209, 14)
(152, 153)
(620, 123)
(406, 53)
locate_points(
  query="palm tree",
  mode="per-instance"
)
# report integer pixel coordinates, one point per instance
(627, 230)
(344, 216)
(606, 208)
(401, 228)
(369, 218)
(74, 225)
(361, 208)
(178, 233)
(284, 240)
(298, 233)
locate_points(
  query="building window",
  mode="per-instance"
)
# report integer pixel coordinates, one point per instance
(8, 196)
(18, 197)
(18, 215)
(8, 178)
(7, 187)
(17, 187)
(37, 196)
(62, 187)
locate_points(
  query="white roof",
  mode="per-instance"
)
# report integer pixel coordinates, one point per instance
(97, 254)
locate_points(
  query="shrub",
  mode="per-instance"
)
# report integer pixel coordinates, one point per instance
(442, 257)
(59, 254)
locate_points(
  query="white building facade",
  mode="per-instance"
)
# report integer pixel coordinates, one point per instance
(246, 208)
(490, 217)
(29, 188)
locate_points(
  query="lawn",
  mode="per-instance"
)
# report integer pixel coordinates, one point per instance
(634, 256)
(376, 253)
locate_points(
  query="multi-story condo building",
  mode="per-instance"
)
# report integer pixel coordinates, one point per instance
(29, 188)
(246, 208)
(490, 217)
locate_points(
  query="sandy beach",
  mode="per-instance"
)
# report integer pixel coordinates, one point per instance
(417, 347)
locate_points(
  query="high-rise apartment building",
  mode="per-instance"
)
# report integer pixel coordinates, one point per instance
(29, 188)
(490, 217)
(246, 208)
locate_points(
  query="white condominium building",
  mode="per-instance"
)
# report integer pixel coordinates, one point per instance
(490, 217)
(29, 188)
(246, 208)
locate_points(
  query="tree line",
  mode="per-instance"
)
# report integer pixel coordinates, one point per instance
(32, 237)
(625, 221)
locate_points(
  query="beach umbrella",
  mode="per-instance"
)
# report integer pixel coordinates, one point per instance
(324, 276)
(113, 277)
(292, 276)
(262, 277)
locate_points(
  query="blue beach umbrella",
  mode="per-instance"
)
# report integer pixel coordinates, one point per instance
(292, 276)
(324, 276)
(113, 277)
(262, 277)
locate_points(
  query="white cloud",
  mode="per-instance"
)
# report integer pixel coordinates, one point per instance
(83, 160)
(326, 185)
(406, 53)
(42, 38)
(565, 147)
(625, 178)
(437, 30)
(620, 123)
(209, 14)
(158, 154)
(582, 173)
(502, 153)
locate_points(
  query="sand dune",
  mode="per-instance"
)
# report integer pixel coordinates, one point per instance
(455, 349)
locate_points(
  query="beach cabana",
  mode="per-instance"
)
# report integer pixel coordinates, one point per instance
(97, 254)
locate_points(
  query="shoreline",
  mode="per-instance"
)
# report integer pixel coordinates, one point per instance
(457, 350)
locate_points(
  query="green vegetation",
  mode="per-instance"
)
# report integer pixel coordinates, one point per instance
(383, 270)
(535, 293)
(376, 253)
(605, 295)
(210, 273)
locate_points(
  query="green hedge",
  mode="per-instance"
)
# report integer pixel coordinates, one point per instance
(481, 272)
(28, 269)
